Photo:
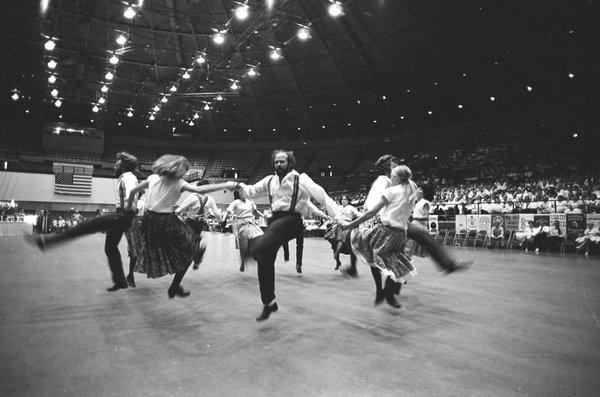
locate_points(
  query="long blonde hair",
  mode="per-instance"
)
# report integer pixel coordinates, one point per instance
(400, 175)
(171, 166)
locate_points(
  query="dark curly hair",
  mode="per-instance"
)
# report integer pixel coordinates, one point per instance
(128, 162)
(383, 165)
(291, 159)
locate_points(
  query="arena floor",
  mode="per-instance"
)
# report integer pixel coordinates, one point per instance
(515, 324)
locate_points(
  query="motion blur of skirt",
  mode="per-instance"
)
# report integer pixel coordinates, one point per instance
(168, 245)
(334, 234)
(412, 247)
(134, 237)
(245, 230)
(383, 247)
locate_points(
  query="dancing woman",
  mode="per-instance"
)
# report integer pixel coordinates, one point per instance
(168, 245)
(340, 238)
(382, 246)
(245, 227)
(420, 219)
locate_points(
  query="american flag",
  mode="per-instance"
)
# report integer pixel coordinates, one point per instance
(72, 184)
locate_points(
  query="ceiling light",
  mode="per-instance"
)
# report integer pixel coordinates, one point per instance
(349, 124)
(173, 88)
(196, 116)
(119, 123)
(152, 117)
(60, 116)
(185, 75)
(129, 13)
(147, 126)
(460, 106)
(322, 126)
(251, 72)
(54, 93)
(275, 54)
(109, 76)
(15, 96)
(492, 98)
(235, 86)
(164, 99)
(374, 121)
(219, 38)
(52, 79)
(104, 88)
(113, 60)
(156, 108)
(241, 12)
(219, 97)
(571, 75)
(429, 112)
(384, 97)
(130, 114)
(303, 34)
(92, 120)
(200, 60)
(401, 117)
(58, 103)
(49, 45)
(529, 88)
(207, 107)
(101, 100)
(95, 109)
(191, 123)
(52, 64)
(335, 9)
(575, 135)
(121, 40)
(358, 101)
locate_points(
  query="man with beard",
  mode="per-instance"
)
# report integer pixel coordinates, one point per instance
(288, 192)
(115, 223)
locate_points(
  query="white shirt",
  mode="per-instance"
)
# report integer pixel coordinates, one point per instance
(419, 211)
(163, 193)
(241, 209)
(401, 202)
(377, 188)
(281, 193)
(192, 204)
(349, 213)
(127, 182)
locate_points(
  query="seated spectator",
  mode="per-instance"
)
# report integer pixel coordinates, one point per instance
(525, 234)
(590, 238)
(496, 235)
(541, 237)
(556, 235)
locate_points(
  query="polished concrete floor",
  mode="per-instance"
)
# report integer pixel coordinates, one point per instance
(515, 324)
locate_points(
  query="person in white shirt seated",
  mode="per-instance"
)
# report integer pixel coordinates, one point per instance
(556, 235)
(590, 238)
(525, 234)
(496, 235)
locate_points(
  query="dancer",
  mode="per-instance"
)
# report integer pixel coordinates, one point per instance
(300, 240)
(382, 246)
(288, 193)
(440, 256)
(245, 227)
(168, 244)
(340, 238)
(194, 210)
(134, 237)
(420, 219)
(115, 224)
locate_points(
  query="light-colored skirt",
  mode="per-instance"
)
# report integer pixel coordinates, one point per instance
(383, 247)
(245, 230)
(412, 247)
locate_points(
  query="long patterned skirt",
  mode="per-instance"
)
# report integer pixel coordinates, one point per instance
(134, 237)
(383, 247)
(245, 230)
(168, 245)
(412, 247)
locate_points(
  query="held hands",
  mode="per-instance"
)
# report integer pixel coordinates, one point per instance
(343, 224)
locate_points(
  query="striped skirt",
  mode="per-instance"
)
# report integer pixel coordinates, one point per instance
(168, 245)
(383, 247)
(134, 237)
(335, 234)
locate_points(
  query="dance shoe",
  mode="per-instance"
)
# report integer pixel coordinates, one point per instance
(180, 292)
(458, 267)
(131, 281)
(389, 293)
(267, 310)
(350, 271)
(36, 241)
(117, 287)
(298, 269)
(242, 267)
(378, 297)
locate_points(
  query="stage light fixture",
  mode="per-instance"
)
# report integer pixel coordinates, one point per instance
(121, 40)
(52, 79)
(191, 123)
(49, 45)
(219, 97)
(335, 9)
(152, 117)
(235, 86)
(156, 108)
(207, 107)
(219, 38)
(15, 96)
(173, 88)
(130, 114)
(129, 13)
(101, 100)
(196, 116)
(186, 75)
(303, 34)
(109, 76)
(200, 60)
(52, 64)
(104, 88)
(113, 60)
(54, 93)
(95, 109)
(275, 54)
(58, 103)
(241, 12)
(251, 72)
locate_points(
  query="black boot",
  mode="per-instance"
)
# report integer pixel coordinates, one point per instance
(130, 280)
(117, 286)
(389, 293)
(177, 291)
(267, 310)
(378, 297)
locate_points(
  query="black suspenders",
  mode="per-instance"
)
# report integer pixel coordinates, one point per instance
(294, 193)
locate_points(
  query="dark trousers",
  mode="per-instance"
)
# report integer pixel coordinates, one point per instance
(299, 248)
(282, 228)
(438, 254)
(115, 224)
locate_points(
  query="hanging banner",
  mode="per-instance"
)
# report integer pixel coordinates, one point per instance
(524, 219)
(499, 219)
(484, 223)
(433, 224)
(543, 219)
(472, 222)
(461, 222)
(511, 222)
(575, 223)
(594, 219)
(562, 221)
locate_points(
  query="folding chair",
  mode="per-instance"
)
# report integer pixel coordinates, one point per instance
(471, 236)
(460, 237)
(450, 236)
(482, 236)
(569, 241)
(441, 235)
